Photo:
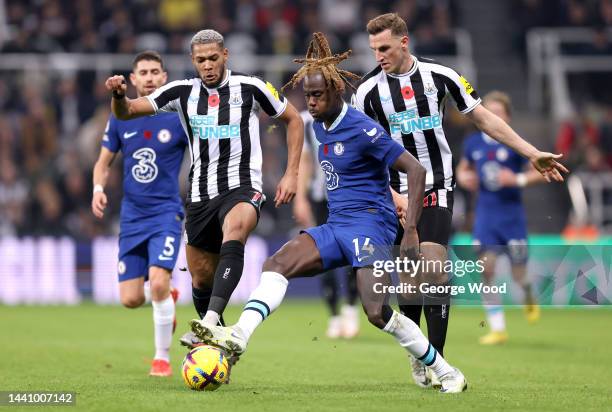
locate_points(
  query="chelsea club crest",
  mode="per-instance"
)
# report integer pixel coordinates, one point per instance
(338, 148)
(164, 136)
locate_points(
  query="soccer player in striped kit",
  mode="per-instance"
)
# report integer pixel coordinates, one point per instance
(356, 155)
(219, 111)
(407, 96)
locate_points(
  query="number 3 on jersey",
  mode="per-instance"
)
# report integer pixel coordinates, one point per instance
(365, 247)
(145, 171)
(331, 178)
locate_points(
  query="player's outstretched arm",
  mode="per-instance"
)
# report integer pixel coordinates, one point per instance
(545, 163)
(100, 177)
(287, 187)
(122, 107)
(416, 182)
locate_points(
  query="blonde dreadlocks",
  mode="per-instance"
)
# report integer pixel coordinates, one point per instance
(320, 58)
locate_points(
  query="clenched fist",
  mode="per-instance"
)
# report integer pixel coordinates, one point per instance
(116, 84)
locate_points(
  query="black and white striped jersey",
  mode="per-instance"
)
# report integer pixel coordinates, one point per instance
(223, 129)
(410, 106)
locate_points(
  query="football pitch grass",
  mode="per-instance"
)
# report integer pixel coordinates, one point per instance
(103, 352)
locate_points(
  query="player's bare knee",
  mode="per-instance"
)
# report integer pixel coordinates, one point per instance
(160, 288)
(236, 231)
(132, 301)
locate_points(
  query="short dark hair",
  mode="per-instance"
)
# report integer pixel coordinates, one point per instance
(391, 21)
(148, 55)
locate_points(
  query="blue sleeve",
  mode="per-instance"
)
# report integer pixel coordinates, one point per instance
(380, 145)
(111, 139)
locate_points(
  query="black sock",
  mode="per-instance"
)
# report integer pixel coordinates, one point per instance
(437, 320)
(329, 288)
(227, 275)
(201, 299)
(412, 312)
(351, 288)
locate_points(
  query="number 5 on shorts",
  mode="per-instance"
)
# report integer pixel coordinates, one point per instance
(169, 246)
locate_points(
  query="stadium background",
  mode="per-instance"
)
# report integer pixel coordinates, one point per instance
(553, 57)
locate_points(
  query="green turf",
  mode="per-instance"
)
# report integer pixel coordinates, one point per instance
(102, 353)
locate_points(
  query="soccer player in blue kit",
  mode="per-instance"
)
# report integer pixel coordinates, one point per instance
(355, 153)
(497, 174)
(151, 209)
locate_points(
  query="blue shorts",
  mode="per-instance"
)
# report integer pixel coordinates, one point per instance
(358, 240)
(502, 233)
(155, 245)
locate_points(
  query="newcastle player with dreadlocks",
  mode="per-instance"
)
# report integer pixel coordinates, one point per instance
(355, 153)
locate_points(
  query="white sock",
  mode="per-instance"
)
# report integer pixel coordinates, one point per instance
(163, 316)
(147, 292)
(211, 318)
(263, 301)
(496, 318)
(410, 337)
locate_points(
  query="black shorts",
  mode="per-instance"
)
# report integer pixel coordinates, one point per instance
(204, 220)
(435, 224)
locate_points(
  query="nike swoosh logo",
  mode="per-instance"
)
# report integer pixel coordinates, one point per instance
(160, 257)
(371, 132)
(359, 259)
(127, 135)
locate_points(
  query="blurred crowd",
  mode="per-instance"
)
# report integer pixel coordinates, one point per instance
(51, 126)
(566, 13)
(261, 26)
(585, 140)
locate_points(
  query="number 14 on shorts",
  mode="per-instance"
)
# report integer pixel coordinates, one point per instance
(365, 247)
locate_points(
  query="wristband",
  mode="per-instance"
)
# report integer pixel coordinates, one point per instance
(117, 95)
(98, 188)
(521, 180)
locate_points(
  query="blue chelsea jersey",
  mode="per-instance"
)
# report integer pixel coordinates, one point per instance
(355, 153)
(489, 156)
(153, 149)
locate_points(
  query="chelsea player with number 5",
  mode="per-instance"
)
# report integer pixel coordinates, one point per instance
(355, 153)
(151, 209)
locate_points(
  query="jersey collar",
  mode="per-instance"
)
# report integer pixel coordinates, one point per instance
(228, 73)
(338, 119)
(413, 69)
